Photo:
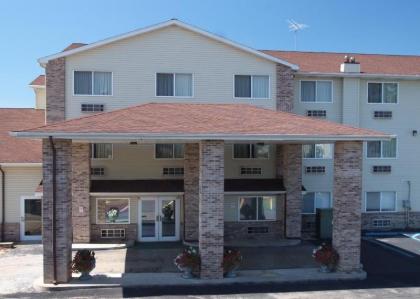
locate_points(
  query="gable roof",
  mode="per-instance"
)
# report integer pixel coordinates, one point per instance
(327, 62)
(38, 81)
(17, 150)
(74, 46)
(172, 22)
(177, 121)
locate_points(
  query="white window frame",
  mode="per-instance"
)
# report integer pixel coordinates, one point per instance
(174, 74)
(173, 152)
(97, 175)
(382, 100)
(252, 78)
(315, 192)
(315, 158)
(92, 151)
(316, 92)
(380, 202)
(94, 95)
(250, 151)
(256, 211)
(114, 198)
(382, 157)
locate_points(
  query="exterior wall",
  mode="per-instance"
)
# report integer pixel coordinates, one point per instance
(191, 191)
(134, 62)
(11, 232)
(284, 88)
(40, 98)
(55, 90)
(130, 232)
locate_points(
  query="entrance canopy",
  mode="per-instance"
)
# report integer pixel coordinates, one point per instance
(190, 122)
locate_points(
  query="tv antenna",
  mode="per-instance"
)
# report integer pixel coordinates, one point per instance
(295, 27)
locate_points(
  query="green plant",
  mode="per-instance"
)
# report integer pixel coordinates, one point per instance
(188, 258)
(83, 261)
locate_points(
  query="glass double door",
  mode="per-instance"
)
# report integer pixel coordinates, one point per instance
(159, 218)
(31, 219)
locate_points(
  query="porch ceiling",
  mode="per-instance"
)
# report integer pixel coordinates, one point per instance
(189, 122)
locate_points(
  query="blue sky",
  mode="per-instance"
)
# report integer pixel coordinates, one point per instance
(32, 29)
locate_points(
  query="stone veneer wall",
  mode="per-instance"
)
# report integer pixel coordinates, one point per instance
(55, 90)
(130, 232)
(398, 220)
(235, 230)
(211, 208)
(347, 204)
(11, 232)
(191, 191)
(284, 88)
(80, 192)
(308, 226)
(63, 209)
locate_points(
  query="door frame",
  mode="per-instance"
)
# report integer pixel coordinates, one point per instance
(23, 237)
(158, 215)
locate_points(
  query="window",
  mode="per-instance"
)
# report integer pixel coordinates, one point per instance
(382, 114)
(315, 169)
(381, 169)
(102, 151)
(113, 210)
(173, 171)
(382, 149)
(92, 83)
(257, 208)
(381, 201)
(317, 151)
(250, 151)
(316, 200)
(251, 171)
(255, 87)
(178, 85)
(316, 113)
(382, 93)
(381, 223)
(97, 171)
(112, 233)
(169, 151)
(92, 107)
(316, 91)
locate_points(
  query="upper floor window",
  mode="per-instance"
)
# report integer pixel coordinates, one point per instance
(316, 200)
(250, 151)
(92, 83)
(316, 91)
(381, 201)
(170, 85)
(382, 93)
(317, 151)
(169, 151)
(255, 87)
(382, 149)
(102, 151)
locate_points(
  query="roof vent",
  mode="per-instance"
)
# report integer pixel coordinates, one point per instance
(350, 65)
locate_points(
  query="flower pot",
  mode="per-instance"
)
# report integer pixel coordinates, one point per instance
(187, 273)
(85, 276)
(324, 269)
(232, 272)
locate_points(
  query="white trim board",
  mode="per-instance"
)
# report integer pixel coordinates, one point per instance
(173, 22)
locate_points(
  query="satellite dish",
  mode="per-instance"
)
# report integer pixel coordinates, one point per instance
(295, 27)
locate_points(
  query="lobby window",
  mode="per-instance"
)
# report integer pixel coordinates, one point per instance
(252, 87)
(173, 84)
(169, 151)
(257, 208)
(92, 83)
(317, 151)
(113, 210)
(382, 93)
(316, 200)
(251, 151)
(381, 201)
(382, 149)
(316, 91)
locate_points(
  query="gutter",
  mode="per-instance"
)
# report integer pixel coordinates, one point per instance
(3, 203)
(54, 207)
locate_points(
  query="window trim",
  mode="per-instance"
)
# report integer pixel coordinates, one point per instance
(314, 212)
(91, 151)
(382, 103)
(173, 152)
(380, 202)
(113, 198)
(316, 92)
(256, 211)
(315, 158)
(174, 74)
(233, 152)
(252, 98)
(94, 95)
(381, 157)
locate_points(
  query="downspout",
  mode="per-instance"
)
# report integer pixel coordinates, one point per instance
(54, 195)
(408, 206)
(3, 202)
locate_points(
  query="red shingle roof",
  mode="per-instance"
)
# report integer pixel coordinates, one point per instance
(40, 80)
(217, 119)
(16, 150)
(73, 46)
(325, 62)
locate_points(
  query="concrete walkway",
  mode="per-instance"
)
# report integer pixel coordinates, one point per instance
(174, 279)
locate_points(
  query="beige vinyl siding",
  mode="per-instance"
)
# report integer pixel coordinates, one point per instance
(135, 61)
(40, 98)
(20, 181)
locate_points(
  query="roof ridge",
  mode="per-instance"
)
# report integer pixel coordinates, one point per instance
(344, 53)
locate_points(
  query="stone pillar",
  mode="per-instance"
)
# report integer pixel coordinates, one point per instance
(191, 191)
(211, 208)
(63, 221)
(80, 192)
(55, 74)
(292, 179)
(284, 88)
(347, 204)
